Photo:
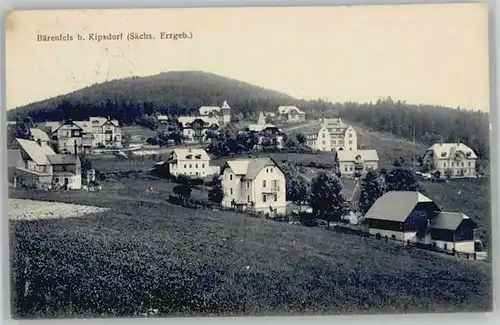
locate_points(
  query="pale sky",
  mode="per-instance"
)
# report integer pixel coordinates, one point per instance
(434, 54)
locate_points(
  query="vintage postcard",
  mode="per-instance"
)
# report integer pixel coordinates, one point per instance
(249, 161)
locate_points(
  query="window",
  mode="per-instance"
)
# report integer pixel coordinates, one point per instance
(324, 142)
(463, 164)
(444, 165)
(324, 135)
(264, 198)
(231, 177)
(231, 191)
(350, 135)
(264, 183)
(248, 198)
(350, 141)
(350, 168)
(190, 166)
(275, 198)
(196, 165)
(267, 170)
(56, 180)
(469, 164)
(202, 165)
(197, 174)
(345, 168)
(248, 184)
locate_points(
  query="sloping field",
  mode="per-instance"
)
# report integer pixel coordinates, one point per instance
(148, 254)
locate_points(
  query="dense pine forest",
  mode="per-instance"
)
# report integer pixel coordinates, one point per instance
(182, 93)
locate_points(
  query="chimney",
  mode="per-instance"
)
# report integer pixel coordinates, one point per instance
(76, 148)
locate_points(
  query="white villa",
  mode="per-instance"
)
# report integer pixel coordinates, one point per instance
(454, 159)
(356, 161)
(256, 184)
(221, 113)
(333, 134)
(291, 114)
(191, 162)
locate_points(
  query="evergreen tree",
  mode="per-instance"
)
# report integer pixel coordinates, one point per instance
(327, 201)
(400, 179)
(216, 193)
(371, 190)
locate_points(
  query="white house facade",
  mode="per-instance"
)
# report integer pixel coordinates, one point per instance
(332, 135)
(454, 160)
(256, 184)
(291, 114)
(357, 162)
(191, 162)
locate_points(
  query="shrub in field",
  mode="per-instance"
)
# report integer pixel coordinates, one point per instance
(184, 192)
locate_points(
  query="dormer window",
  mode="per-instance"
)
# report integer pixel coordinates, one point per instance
(443, 154)
(189, 156)
(469, 154)
(198, 156)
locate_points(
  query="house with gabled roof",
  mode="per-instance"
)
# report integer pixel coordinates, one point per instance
(356, 162)
(190, 162)
(256, 184)
(196, 128)
(291, 114)
(411, 217)
(40, 167)
(453, 160)
(221, 113)
(332, 134)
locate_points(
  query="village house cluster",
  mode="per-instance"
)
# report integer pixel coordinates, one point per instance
(195, 129)
(80, 136)
(50, 160)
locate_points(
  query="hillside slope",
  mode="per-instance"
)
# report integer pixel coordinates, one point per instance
(174, 93)
(195, 262)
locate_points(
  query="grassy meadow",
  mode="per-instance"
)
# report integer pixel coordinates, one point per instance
(147, 256)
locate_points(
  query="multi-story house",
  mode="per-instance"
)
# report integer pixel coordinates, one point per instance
(291, 114)
(42, 168)
(332, 135)
(453, 160)
(221, 113)
(106, 132)
(84, 136)
(357, 162)
(190, 162)
(68, 138)
(255, 184)
(268, 135)
(195, 128)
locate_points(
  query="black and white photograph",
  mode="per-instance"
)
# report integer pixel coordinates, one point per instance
(248, 161)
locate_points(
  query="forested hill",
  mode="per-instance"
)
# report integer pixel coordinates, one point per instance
(180, 93)
(176, 93)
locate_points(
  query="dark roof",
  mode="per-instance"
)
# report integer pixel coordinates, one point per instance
(450, 220)
(65, 159)
(395, 205)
